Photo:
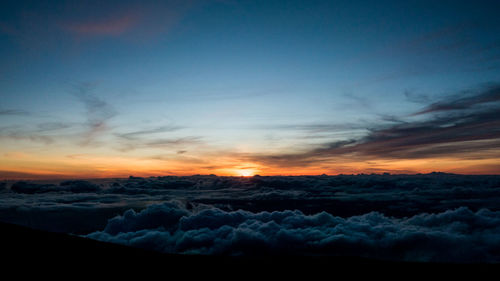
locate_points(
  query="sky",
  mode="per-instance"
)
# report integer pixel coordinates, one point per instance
(116, 88)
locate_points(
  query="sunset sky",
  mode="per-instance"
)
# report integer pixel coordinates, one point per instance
(117, 88)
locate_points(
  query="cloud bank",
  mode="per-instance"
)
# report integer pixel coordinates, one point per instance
(458, 235)
(73, 186)
(343, 195)
(430, 217)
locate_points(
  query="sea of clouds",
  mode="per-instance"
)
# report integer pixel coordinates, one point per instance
(431, 217)
(459, 235)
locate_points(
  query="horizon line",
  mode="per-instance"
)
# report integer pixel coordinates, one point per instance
(42, 178)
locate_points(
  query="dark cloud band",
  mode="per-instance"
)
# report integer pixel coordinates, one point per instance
(460, 127)
(458, 235)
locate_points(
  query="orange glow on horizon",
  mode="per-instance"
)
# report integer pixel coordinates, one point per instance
(39, 166)
(121, 169)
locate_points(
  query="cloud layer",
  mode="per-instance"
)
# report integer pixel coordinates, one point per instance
(458, 235)
(74, 186)
(431, 217)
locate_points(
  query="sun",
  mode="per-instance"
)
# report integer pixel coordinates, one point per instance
(245, 172)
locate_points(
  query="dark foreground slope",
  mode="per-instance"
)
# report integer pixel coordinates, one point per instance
(29, 251)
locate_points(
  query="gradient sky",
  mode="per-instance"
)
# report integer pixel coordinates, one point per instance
(113, 88)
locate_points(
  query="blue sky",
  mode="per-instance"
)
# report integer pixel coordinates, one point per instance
(259, 78)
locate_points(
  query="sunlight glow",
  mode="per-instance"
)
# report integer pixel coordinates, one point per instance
(246, 172)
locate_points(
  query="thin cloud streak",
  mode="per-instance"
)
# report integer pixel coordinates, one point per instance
(18, 136)
(161, 129)
(15, 112)
(176, 144)
(113, 26)
(461, 131)
(491, 94)
(98, 112)
(53, 126)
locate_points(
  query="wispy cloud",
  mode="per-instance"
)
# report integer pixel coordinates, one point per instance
(491, 94)
(111, 26)
(460, 130)
(36, 28)
(155, 137)
(411, 96)
(53, 126)
(319, 127)
(16, 112)
(98, 112)
(23, 136)
(30, 131)
(160, 129)
(174, 143)
(137, 21)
